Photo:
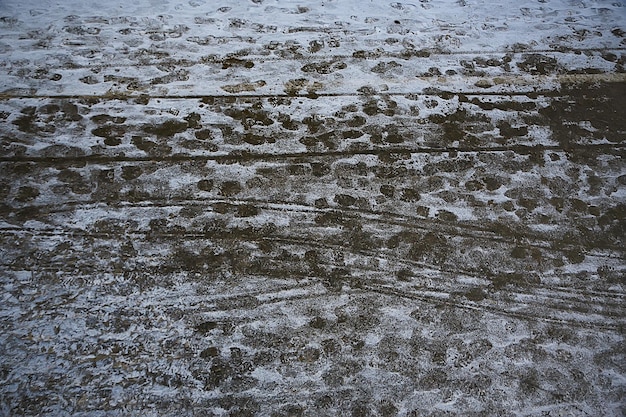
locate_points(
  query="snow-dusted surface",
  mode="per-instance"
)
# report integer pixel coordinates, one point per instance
(312, 208)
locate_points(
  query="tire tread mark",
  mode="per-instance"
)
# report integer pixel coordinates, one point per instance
(310, 242)
(490, 309)
(473, 231)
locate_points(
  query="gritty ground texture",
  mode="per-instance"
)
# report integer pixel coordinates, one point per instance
(312, 208)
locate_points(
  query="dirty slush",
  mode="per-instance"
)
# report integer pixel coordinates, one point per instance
(312, 208)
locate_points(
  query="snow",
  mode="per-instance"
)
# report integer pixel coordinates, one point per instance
(408, 208)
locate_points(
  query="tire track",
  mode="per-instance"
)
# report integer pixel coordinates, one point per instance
(255, 300)
(493, 310)
(614, 297)
(447, 273)
(388, 218)
(307, 242)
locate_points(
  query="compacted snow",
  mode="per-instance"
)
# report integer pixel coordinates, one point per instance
(312, 208)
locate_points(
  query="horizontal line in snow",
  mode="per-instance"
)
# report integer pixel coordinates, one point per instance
(441, 87)
(246, 155)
